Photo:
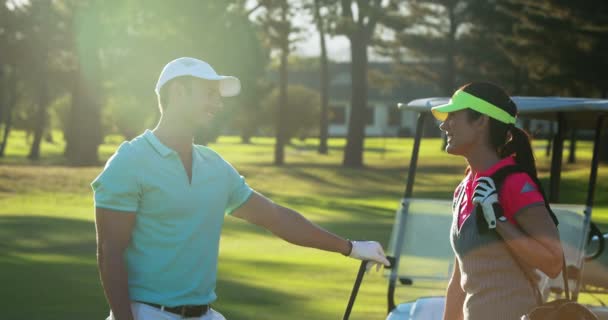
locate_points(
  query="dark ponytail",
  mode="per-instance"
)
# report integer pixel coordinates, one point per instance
(519, 145)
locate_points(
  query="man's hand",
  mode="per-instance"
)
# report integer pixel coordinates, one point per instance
(371, 251)
(485, 194)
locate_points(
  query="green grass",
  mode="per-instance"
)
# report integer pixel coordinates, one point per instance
(47, 235)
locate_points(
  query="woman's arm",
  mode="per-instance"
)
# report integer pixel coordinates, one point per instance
(537, 243)
(454, 296)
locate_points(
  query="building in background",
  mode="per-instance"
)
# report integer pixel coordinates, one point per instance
(383, 117)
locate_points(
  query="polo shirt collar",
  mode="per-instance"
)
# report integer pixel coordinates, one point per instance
(162, 149)
(507, 161)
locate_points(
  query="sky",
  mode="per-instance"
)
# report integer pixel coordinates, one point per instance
(338, 47)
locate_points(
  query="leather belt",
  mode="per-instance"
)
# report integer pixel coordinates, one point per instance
(186, 311)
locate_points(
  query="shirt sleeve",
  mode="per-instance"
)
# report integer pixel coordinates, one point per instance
(519, 192)
(239, 190)
(117, 188)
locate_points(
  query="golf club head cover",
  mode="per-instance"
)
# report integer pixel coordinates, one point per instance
(485, 196)
(371, 251)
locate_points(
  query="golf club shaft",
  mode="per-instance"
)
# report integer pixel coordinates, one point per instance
(355, 290)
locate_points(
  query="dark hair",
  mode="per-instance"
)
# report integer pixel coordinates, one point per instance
(163, 93)
(506, 139)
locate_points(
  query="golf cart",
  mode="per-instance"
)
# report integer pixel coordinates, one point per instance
(420, 248)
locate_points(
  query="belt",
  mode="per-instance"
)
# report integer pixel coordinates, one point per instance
(186, 311)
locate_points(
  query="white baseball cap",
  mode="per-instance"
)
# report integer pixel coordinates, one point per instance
(186, 66)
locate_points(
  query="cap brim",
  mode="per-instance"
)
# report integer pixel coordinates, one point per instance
(229, 86)
(441, 112)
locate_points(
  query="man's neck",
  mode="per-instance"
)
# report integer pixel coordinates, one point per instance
(178, 138)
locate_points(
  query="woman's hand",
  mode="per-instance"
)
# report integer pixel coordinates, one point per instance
(485, 194)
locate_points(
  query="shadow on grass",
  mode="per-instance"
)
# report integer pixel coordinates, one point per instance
(238, 301)
(49, 272)
(48, 269)
(368, 181)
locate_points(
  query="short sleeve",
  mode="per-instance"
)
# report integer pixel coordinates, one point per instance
(519, 192)
(239, 190)
(117, 187)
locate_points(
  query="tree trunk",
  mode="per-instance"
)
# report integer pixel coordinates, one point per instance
(549, 140)
(603, 156)
(40, 118)
(11, 100)
(572, 153)
(353, 153)
(245, 137)
(84, 125)
(279, 149)
(3, 94)
(449, 76)
(324, 78)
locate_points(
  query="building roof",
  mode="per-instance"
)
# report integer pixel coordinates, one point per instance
(340, 83)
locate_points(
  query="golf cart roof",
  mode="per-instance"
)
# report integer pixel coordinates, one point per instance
(580, 112)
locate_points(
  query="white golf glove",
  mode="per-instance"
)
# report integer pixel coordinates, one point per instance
(370, 251)
(485, 195)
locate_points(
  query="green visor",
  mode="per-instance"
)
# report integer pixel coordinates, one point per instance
(462, 100)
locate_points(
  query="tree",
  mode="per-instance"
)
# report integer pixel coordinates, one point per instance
(321, 24)
(83, 133)
(434, 37)
(304, 111)
(276, 22)
(358, 23)
(141, 36)
(553, 47)
(40, 45)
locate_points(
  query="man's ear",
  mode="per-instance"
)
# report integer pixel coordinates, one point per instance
(176, 89)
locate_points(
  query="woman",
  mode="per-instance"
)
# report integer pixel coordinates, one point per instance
(487, 282)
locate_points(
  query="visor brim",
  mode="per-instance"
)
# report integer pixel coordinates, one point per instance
(441, 112)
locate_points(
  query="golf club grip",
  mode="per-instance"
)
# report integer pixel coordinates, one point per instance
(356, 286)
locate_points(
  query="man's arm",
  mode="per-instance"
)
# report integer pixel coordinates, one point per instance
(454, 297)
(113, 236)
(294, 228)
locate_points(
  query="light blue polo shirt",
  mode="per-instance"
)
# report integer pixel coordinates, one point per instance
(172, 257)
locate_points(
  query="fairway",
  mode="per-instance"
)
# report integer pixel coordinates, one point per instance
(47, 236)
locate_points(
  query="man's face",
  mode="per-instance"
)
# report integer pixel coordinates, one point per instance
(199, 102)
(205, 100)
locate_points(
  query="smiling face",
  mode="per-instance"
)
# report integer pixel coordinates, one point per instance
(464, 134)
(195, 103)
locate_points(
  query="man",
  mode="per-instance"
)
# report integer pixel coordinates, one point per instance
(161, 200)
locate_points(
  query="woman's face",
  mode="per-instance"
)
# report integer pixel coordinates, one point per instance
(462, 133)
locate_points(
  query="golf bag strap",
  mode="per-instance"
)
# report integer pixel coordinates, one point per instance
(501, 174)
(499, 177)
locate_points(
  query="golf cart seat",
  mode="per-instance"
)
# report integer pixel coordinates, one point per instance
(595, 273)
(573, 236)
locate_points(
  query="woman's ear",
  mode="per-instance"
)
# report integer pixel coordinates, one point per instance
(483, 122)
